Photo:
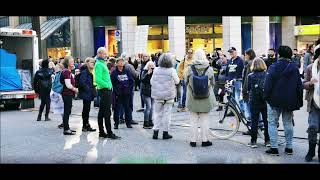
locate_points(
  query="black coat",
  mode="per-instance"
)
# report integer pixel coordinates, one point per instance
(86, 89)
(145, 83)
(42, 81)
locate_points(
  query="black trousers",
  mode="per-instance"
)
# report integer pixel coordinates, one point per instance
(85, 112)
(104, 110)
(45, 101)
(124, 102)
(67, 101)
(255, 113)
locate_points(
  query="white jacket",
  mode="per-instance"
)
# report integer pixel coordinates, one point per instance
(163, 83)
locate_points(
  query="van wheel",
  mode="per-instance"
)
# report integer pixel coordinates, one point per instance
(12, 106)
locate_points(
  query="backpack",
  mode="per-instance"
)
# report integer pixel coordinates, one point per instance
(258, 89)
(56, 85)
(200, 86)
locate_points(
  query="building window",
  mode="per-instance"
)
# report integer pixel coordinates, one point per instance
(4, 21)
(25, 19)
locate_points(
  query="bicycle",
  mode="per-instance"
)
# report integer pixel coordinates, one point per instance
(228, 125)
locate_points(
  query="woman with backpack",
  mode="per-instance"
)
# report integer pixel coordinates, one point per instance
(68, 92)
(163, 91)
(87, 92)
(42, 86)
(200, 96)
(55, 95)
(256, 100)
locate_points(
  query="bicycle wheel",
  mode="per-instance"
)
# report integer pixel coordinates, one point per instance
(224, 128)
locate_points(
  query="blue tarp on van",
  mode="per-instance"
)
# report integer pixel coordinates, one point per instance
(9, 77)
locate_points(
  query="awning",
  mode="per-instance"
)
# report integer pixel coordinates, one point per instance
(47, 28)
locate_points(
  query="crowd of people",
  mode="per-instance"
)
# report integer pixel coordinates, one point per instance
(264, 88)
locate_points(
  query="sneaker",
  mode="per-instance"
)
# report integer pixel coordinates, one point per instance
(267, 144)
(273, 151)
(60, 126)
(113, 136)
(68, 132)
(288, 151)
(184, 109)
(252, 145)
(72, 130)
(219, 108)
(205, 144)
(129, 126)
(116, 126)
(193, 144)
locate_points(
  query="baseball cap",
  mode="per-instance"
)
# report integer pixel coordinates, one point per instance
(232, 49)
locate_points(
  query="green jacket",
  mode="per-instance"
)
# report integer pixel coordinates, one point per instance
(102, 76)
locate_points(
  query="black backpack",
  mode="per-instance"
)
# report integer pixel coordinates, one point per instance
(257, 89)
(200, 86)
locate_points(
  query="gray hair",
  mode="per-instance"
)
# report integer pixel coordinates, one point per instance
(166, 60)
(66, 61)
(199, 55)
(101, 49)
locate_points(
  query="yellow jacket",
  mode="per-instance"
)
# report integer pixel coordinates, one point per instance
(183, 66)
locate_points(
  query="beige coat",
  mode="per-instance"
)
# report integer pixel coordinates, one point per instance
(200, 105)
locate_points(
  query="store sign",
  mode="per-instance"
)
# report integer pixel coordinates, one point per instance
(199, 29)
(118, 35)
(307, 30)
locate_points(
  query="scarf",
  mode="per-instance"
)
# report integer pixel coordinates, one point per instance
(316, 75)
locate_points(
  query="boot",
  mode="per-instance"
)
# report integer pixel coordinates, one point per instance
(151, 123)
(311, 152)
(155, 134)
(146, 125)
(47, 118)
(39, 117)
(166, 135)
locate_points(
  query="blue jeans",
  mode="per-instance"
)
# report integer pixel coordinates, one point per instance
(245, 107)
(273, 119)
(122, 101)
(184, 93)
(142, 103)
(178, 87)
(237, 91)
(149, 108)
(314, 124)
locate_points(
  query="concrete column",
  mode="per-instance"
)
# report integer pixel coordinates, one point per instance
(288, 37)
(141, 39)
(82, 41)
(231, 33)
(127, 25)
(177, 35)
(260, 34)
(13, 21)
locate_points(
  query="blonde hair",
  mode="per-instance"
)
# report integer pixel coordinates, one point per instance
(258, 65)
(88, 59)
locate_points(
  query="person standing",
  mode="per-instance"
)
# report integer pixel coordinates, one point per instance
(55, 95)
(312, 85)
(163, 90)
(307, 59)
(271, 57)
(42, 86)
(103, 81)
(234, 72)
(223, 63)
(296, 58)
(68, 92)
(257, 102)
(87, 92)
(181, 73)
(199, 107)
(283, 92)
(145, 59)
(146, 94)
(249, 55)
(122, 82)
